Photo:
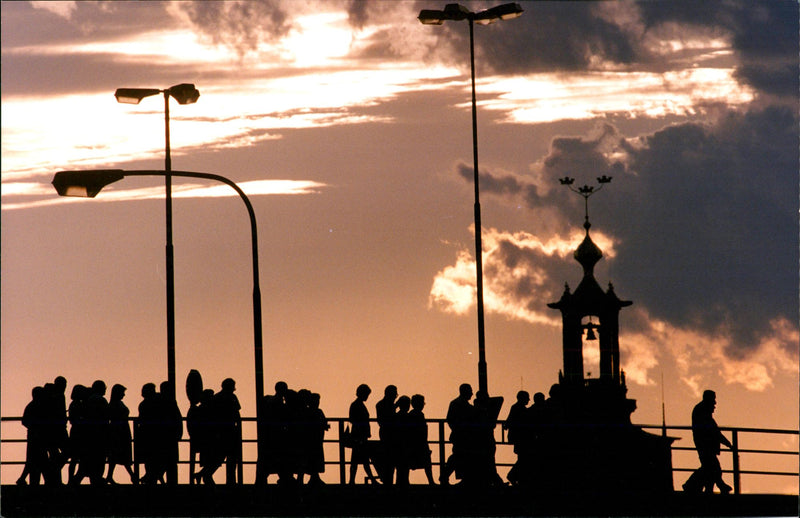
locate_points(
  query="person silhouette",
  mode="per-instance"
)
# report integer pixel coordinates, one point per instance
(460, 417)
(419, 452)
(483, 467)
(58, 439)
(170, 431)
(77, 429)
(272, 436)
(386, 415)
(119, 435)
(399, 440)
(34, 419)
(200, 425)
(707, 438)
(358, 416)
(529, 444)
(515, 423)
(96, 429)
(147, 435)
(316, 427)
(230, 428)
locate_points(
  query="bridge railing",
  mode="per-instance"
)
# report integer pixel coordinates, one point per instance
(766, 458)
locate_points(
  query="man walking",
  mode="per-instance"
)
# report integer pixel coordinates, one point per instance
(707, 438)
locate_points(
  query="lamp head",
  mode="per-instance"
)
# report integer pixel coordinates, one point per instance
(458, 12)
(85, 184)
(134, 95)
(184, 93)
(431, 17)
(500, 12)
(454, 12)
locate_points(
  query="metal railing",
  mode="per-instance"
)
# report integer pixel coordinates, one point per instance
(747, 457)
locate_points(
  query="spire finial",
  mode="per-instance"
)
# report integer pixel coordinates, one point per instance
(586, 191)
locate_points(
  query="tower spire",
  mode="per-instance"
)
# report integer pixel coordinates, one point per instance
(586, 191)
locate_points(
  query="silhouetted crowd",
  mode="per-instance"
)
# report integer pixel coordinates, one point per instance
(99, 434)
(403, 437)
(291, 432)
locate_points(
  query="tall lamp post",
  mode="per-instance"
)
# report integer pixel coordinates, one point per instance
(88, 183)
(456, 12)
(184, 93)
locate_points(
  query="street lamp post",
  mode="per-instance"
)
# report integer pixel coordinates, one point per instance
(184, 93)
(88, 183)
(458, 12)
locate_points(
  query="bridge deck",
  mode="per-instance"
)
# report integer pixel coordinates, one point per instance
(363, 500)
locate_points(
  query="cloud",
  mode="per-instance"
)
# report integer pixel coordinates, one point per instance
(721, 200)
(764, 36)
(701, 224)
(652, 36)
(521, 274)
(698, 355)
(22, 192)
(63, 9)
(241, 25)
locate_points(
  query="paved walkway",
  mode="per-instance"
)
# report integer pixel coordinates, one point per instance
(336, 500)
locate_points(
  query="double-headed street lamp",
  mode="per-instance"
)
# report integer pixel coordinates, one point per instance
(184, 93)
(456, 12)
(89, 183)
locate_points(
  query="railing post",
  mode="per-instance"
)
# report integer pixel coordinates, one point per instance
(442, 459)
(192, 454)
(239, 459)
(341, 452)
(135, 420)
(737, 486)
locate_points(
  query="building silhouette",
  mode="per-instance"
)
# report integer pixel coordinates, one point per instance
(591, 443)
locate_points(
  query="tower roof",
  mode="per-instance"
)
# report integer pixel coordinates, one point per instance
(587, 254)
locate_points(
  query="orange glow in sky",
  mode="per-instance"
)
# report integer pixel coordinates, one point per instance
(349, 127)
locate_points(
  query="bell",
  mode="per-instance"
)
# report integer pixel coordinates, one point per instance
(590, 333)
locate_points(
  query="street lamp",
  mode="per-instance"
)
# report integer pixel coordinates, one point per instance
(88, 183)
(458, 12)
(184, 93)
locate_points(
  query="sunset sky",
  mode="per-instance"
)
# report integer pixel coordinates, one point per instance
(348, 125)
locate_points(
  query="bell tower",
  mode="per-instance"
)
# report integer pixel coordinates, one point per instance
(590, 301)
(595, 437)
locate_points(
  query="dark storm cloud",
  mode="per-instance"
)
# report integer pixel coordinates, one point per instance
(764, 36)
(557, 36)
(494, 183)
(240, 25)
(575, 36)
(705, 215)
(89, 21)
(585, 158)
(721, 202)
(38, 70)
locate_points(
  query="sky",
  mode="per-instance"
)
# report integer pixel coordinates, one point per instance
(348, 125)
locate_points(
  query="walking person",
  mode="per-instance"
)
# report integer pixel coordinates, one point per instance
(360, 433)
(230, 428)
(316, 427)
(96, 418)
(386, 415)
(460, 418)
(707, 438)
(147, 433)
(77, 429)
(33, 418)
(515, 423)
(119, 435)
(419, 451)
